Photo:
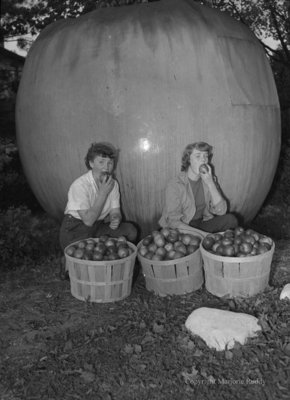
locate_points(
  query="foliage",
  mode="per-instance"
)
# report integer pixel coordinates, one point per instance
(14, 189)
(22, 238)
(265, 18)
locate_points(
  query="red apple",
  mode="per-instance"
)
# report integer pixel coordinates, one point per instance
(147, 240)
(79, 253)
(152, 247)
(123, 252)
(98, 256)
(165, 232)
(159, 240)
(70, 251)
(143, 250)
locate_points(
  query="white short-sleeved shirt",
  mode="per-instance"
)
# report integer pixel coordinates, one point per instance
(83, 193)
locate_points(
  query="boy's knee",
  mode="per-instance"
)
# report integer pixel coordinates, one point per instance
(232, 221)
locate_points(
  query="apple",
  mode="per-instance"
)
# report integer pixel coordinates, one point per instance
(216, 245)
(79, 253)
(171, 254)
(165, 232)
(239, 230)
(195, 240)
(123, 252)
(147, 240)
(91, 241)
(220, 250)
(227, 241)
(121, 240)
(186, 239)
(191, 248)
(81, 244)
(238, 240)
(208, 242)
(217, 236)
(169, 246)
(100, 247)
(229, 251)
(246, 248)
(248, 238)
(159, 240)
(263, 248)
(112, 249)
(229, 234)
(254, 252)
(161, 251)
(177, 243)
(203, 168)
(110, 242)
(266, 239)
(149, 255)
(143, 250)
(98, 256)
(88, 255)
(152, 247)
(70, 251)
(181, 248)
(177, 255)
(157, 257)
(173, 236)
(103, 238)
(90, 246)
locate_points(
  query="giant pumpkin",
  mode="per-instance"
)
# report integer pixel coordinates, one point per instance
(150, 79)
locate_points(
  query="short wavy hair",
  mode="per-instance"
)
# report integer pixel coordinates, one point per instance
(185, 159)
(102, 149)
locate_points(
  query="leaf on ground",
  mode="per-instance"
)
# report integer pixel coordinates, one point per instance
(68, 345)
(88, 376)
(137, 348)
(128, 349)
(190, 377)
(158, 328)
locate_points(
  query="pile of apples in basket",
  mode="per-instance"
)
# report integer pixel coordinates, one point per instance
(170, 244)
(104, 248)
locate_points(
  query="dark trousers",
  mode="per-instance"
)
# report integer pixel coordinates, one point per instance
(73, 229)
(218, 223)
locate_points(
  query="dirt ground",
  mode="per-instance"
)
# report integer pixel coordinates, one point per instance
(53, 346)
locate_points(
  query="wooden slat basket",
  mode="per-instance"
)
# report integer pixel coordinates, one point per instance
(173, 277)
(236, 276)
(101, 281)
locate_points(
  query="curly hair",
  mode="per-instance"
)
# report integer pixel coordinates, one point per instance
(185, 159)
(102, 149)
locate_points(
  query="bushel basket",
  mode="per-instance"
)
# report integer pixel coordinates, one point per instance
(173, 277)
(236, 276)
(101, 281)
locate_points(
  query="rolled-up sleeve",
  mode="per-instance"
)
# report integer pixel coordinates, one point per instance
(219, 209)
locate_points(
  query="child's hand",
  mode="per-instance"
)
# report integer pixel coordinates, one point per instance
(107, 185)
(115, 222)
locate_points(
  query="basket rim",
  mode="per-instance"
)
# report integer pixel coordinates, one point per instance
(237, 260)
(102, 262)
(163, 262)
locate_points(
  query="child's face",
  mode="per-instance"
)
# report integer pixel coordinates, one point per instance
(102, 165)
(197, 158)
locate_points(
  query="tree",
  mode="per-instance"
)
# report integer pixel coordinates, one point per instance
(266, 18)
